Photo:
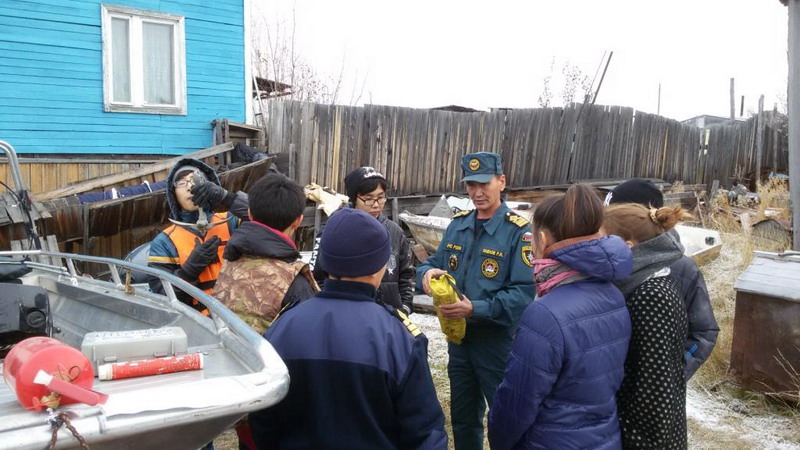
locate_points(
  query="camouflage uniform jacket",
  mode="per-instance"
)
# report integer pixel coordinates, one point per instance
(256, 288)
(261, 274)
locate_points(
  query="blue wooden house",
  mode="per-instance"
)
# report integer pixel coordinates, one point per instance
(123, 77)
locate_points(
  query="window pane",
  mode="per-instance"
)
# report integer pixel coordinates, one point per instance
(157, 50)
(120, 60)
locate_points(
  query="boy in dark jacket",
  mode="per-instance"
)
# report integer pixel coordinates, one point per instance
(366, 188)
(262, 271)
(359, 370)
(184, 249)
(703, 328)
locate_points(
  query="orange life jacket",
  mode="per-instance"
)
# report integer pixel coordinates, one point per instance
(184, 242)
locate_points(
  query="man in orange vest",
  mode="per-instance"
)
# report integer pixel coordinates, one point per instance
(188, 249)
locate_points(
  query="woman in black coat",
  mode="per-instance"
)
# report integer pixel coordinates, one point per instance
(652, 399)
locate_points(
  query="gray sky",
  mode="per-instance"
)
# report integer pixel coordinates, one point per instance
(496, 54)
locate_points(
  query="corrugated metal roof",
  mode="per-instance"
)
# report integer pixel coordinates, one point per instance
(772, 275)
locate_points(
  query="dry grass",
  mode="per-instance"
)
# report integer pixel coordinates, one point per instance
(774, 198)
(720, 275)
(677, 187)
(227, 441)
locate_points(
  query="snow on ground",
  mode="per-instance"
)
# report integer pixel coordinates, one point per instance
(437, 346)
(717, 415)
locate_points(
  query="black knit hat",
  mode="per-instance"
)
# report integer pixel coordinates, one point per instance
(353, 244)
(636, 190)
(354, 180)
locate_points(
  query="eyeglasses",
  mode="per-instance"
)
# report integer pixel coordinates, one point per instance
(184, 184)
(373, 201)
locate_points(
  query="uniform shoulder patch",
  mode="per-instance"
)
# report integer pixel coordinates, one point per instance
(517, 220)
(462, 213)
(402, 317)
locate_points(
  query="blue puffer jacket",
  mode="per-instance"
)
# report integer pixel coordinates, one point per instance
(567, 359)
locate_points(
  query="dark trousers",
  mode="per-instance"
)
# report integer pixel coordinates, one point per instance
(475, 369)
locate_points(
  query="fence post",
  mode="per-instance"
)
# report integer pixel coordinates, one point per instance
(759, 139)
(733, 103)
(292, 162)
(794, 116)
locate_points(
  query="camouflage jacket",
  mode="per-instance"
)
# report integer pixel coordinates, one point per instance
(256, 288)
(261, 274)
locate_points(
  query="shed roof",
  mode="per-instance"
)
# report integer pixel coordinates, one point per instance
(271, 88)
(772, 275)
(455, 108)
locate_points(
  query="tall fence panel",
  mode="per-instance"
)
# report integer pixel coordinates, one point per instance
(419, 149)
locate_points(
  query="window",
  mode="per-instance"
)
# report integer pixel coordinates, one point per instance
(144, 68)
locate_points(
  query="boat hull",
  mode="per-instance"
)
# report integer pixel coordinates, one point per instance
(185, 410)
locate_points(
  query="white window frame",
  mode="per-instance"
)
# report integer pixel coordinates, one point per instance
(136, 62)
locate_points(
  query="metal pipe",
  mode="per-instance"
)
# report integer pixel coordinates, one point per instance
(794, 117)
(22, 193)
(14, 163)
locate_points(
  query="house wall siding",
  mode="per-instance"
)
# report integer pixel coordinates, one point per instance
(51, 67)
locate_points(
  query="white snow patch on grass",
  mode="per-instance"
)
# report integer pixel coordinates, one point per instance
(437, 346)
(713, 415)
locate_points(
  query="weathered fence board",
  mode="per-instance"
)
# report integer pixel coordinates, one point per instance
(419, 149)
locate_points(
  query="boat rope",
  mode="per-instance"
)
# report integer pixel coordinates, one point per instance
(56, 420)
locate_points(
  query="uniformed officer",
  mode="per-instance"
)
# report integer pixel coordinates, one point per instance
(488, 251)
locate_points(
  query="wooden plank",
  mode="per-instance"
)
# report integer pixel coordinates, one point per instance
(395, 211)
(18, 245)
(5, 219)
(51, 243)
(140, 172)
(12, 209)
(759, 139)
(42, 210)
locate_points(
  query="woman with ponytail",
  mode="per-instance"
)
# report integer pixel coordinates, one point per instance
(567, 358)
(652, 399)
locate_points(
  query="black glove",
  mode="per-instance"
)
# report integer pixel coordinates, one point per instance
(203, 254)
(208, 194)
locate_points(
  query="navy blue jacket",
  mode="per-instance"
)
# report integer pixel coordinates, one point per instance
(359, 377)
(703, 328)
(567, 359)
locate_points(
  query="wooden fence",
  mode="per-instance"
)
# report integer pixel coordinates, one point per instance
(47, 174)
(419, 149)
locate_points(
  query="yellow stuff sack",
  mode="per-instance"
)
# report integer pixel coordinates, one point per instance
(443, 294)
